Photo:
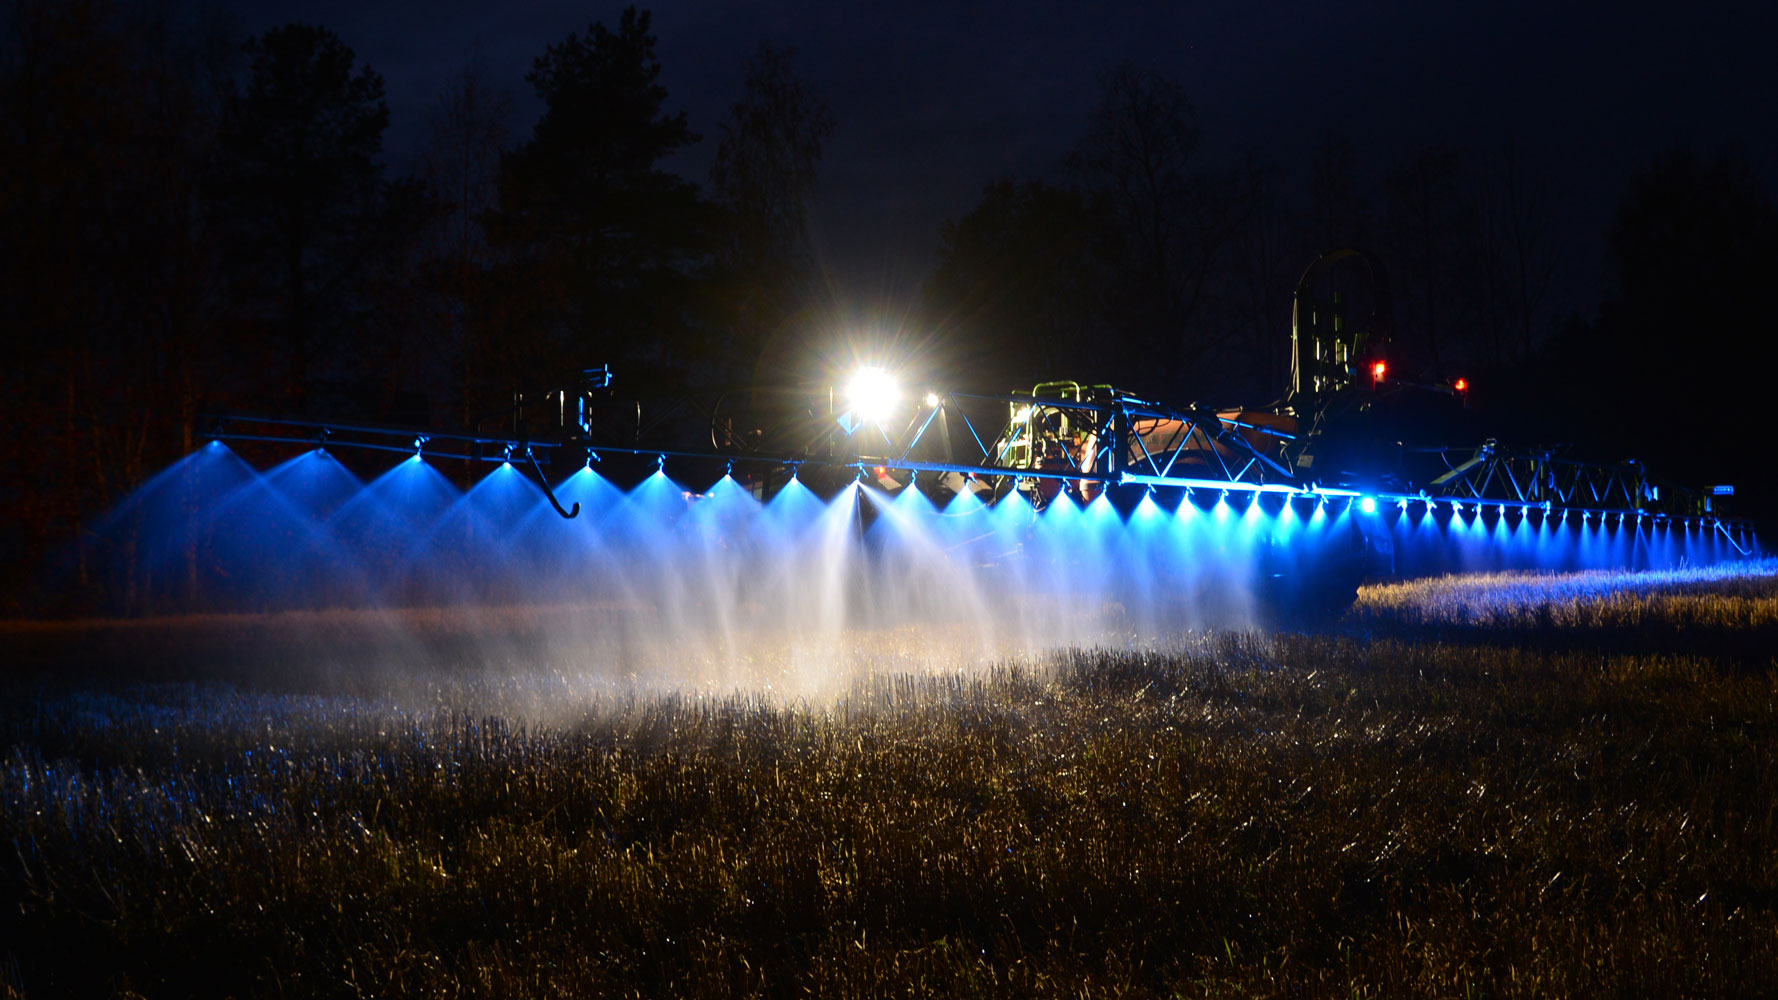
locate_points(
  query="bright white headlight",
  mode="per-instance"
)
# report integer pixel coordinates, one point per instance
(872, 394)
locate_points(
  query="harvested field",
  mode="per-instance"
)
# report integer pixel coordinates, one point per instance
(1427, 802)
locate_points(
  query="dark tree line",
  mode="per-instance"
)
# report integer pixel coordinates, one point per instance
(190, 220)
(1152, 258)
(1677, 365)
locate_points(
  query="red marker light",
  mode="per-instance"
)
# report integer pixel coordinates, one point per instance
(1461, 385)
(1378, 368)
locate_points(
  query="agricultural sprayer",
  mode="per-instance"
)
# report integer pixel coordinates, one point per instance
(1354, 473)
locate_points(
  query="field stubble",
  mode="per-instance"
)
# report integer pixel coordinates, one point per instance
(1238, 815)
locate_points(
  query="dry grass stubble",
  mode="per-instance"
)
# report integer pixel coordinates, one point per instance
(1248, 815)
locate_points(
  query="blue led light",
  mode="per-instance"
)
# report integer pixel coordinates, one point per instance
(1368, 505)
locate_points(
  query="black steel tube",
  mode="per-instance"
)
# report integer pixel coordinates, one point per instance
(395, 432)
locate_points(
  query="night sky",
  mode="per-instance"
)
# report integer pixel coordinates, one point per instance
(935, 99)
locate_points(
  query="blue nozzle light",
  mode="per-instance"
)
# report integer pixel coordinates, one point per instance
(1368, 504)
